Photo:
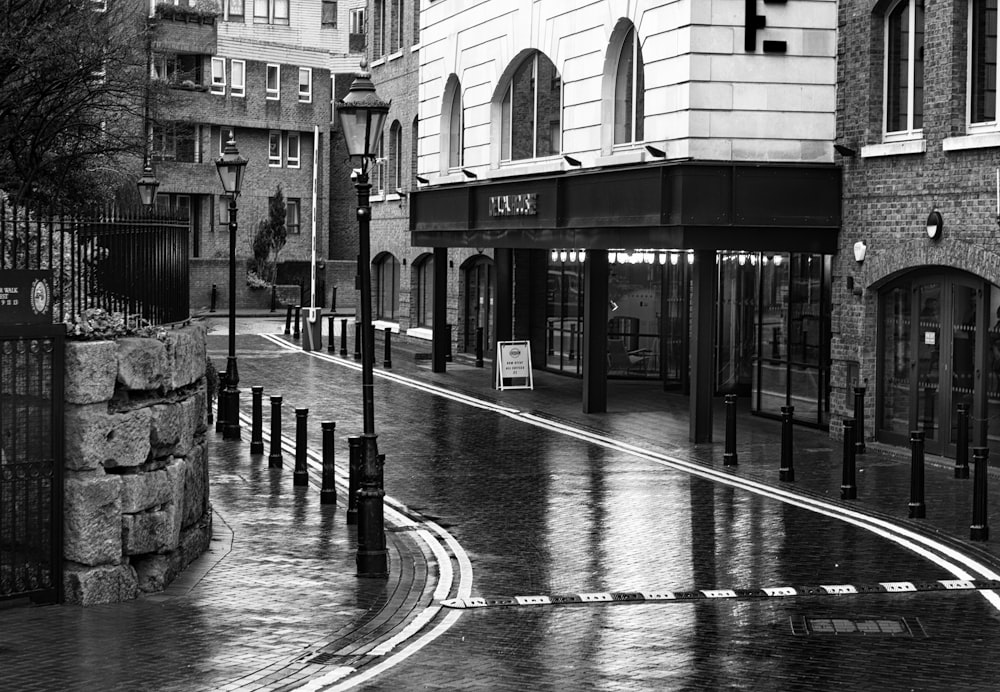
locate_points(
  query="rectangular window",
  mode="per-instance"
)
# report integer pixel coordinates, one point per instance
(305, 84)
(236, 10)
(218, 75)
(396, 24)
(378, 171)
(330, 13)
(176, 141)
(292, 155)
(378, 49)
(274, 149)
(983, 61)
(357, 21)
(237, 73)
(292, 218)
(273, 82)
(261, 12)
(280, 12)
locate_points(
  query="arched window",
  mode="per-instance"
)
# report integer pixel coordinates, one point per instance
(530, 111)
(452, 125)
(629, 91)
(904, 68)
(377, 170)
(386, 274)
(424, 285)
(394, 171)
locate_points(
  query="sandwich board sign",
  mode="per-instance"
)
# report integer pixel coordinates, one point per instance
(514, 365)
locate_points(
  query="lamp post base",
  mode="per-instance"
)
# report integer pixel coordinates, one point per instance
(231, 426)
(372, 556)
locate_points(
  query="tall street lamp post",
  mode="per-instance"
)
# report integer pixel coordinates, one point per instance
(362, 114)
(231, 167)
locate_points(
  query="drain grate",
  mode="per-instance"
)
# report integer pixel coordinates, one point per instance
(327, 658)
(861, 626)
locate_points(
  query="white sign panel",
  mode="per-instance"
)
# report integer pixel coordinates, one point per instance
(514, 365)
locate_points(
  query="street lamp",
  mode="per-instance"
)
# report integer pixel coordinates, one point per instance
(231, 167)
(362, 114)
(147, 185)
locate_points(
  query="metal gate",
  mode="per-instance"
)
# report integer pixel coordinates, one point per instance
(31, 461)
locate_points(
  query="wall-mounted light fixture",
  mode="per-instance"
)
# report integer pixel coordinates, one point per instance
(935, 225)
(422, 180)
(469, 174)
(400, 192)
(845, 151)
(860, 250)
(656, 151)
(571, 161)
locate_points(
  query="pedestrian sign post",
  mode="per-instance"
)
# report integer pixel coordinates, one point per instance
(514, 365)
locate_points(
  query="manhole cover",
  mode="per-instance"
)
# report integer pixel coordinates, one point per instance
(863, 626)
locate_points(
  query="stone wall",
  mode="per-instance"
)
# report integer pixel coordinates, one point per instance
(136, 508)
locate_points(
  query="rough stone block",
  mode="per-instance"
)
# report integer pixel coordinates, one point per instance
(165, 429)
(147, 532)
(104, 584)
(188, 422)
(143, 491)
(95, 437)
(156, 572)
(92, 522)
(142, 363)
(176, 471)
(91, 371)
(195, 485)
(186, 355)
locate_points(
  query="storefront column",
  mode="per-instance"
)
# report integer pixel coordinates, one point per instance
(439, 311)
(504, 262)
(702, 339)
(595, 332)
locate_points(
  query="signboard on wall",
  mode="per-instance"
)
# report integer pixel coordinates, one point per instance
(26, 296)
(514, 365)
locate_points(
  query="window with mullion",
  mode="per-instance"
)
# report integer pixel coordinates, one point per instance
(530, 111)
(629, 92)
(983, 78)
(904, 69)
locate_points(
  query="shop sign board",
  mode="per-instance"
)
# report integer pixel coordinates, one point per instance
(25, 296)
(514, 365)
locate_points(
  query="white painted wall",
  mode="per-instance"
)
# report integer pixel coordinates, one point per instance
(706, 98)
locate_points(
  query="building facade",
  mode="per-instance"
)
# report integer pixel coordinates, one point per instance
(265, 72)
(662, 172)
(916, 316)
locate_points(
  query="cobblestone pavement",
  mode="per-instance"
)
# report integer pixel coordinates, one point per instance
(538, 510)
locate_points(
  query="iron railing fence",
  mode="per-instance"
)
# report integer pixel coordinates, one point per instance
(126, 261)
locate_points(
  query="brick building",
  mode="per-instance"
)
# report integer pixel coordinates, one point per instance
(266, 72)
(919, 138)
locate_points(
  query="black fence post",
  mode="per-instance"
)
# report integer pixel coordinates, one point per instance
(551, 350)
(387, 359)
(215, 295)
(848, 485)
(300, 476)
(274, 298)
(357, 341)
(447, 353)
(330, 348)
(479, 347)
(859, 418)
(962, 443)
(343, 338)
(288, 320)
(729, 457)
(328, 491)
(353, 477)
(297, 328)
(917, 508)
(787, 471)
(980, 530)
(274, 458)
(333, 299)
(256, 425)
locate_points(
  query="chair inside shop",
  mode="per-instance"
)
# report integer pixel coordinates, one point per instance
(623, 361)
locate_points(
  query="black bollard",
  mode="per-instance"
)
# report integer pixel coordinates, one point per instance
(328, 491)
(447, 353)
(787, 471)
(297, 327)
(330, 348)
(980, 530)
(274, 458)
(256, 431)
(343, 338)
(274, 298)
(300, 476)
(357, 341)
(962, 442)
(917, 508)
(479, 347)
(288, 320)
(849, 485)
(729, 456)
(572, 341)
(220, 397)
(859, 418)
(353, 477)
(215, 295)
(387, 359)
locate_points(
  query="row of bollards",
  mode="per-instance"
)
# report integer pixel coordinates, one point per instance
(853, 444)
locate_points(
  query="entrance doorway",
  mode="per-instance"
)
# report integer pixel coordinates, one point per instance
(479, 295)
(933, 347)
